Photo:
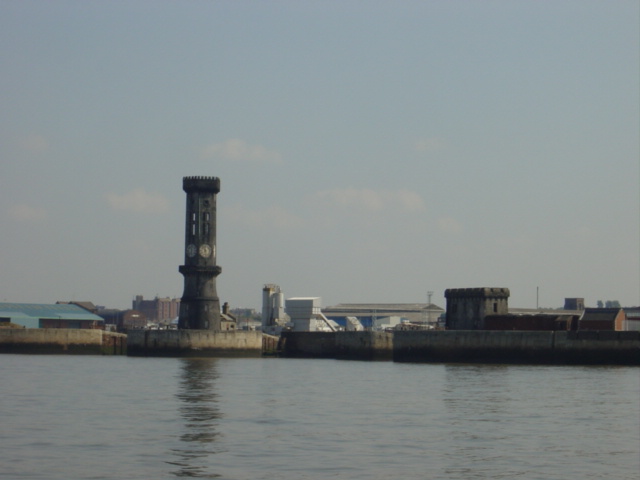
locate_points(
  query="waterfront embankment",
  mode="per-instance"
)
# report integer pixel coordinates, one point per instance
(194, 343)
(466, 346)
(457, 346)
(62, 341)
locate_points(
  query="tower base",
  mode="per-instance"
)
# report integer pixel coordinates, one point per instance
(194, 343)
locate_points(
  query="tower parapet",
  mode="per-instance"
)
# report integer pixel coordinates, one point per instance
(483, 292)
(204, 184)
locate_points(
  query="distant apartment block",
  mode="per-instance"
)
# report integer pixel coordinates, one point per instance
(157, 310)
(123, 320)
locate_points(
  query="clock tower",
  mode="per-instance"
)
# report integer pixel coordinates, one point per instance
(200, 306)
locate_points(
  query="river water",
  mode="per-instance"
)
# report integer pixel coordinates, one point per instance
(92, 417)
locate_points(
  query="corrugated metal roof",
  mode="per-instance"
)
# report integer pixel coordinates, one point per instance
(53, 311)
(14, 315)
(600, 314)
(389, 307)
(543, 311)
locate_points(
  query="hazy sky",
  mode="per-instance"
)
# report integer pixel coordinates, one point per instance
(369, 151)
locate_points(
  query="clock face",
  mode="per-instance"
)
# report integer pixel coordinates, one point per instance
(191, 250)
(205, 250)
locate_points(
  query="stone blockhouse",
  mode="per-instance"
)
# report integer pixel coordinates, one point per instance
(468, 307)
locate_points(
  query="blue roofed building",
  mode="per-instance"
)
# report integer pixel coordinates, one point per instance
(62, 315)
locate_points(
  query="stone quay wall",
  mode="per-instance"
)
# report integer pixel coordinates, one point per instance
(474, 346)
(364, 345)
(194, 343)
(469, 346)
(597, 347)
(308, 344)
(342, 345)
(62, 341)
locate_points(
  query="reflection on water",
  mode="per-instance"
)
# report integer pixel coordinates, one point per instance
(198, 407)
(288, 419)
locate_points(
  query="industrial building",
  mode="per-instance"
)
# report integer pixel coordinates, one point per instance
(306, 315)
(633, 318)
(59, 315)
(603, 319)
(123, 320)
(533, 321)
(381, 316)
(485, 308)
(273, 317)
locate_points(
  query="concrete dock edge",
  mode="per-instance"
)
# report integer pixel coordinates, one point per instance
(62, 341)
(469, 346)
(194, 343)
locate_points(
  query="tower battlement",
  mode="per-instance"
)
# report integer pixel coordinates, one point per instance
(477, 292)
(199, 183)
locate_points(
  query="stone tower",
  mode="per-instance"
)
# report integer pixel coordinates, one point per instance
(467, 307)
(200, 306)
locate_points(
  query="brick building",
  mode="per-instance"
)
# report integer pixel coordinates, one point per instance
(123, 320)
(603, 319)
(157, 310)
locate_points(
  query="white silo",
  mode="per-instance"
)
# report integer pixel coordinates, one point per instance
(278, 306)
(267, 304)
(273, 316)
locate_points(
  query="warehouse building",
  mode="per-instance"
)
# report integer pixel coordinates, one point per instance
(385, 315)
(59, 315)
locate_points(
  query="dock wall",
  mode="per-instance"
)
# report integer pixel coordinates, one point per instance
(597, 347)
(474, 346)
(364, 345)
(194, 343)
(308, 344)
(342, 345)
(62, 341)
(533, 347)
(469, 346)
